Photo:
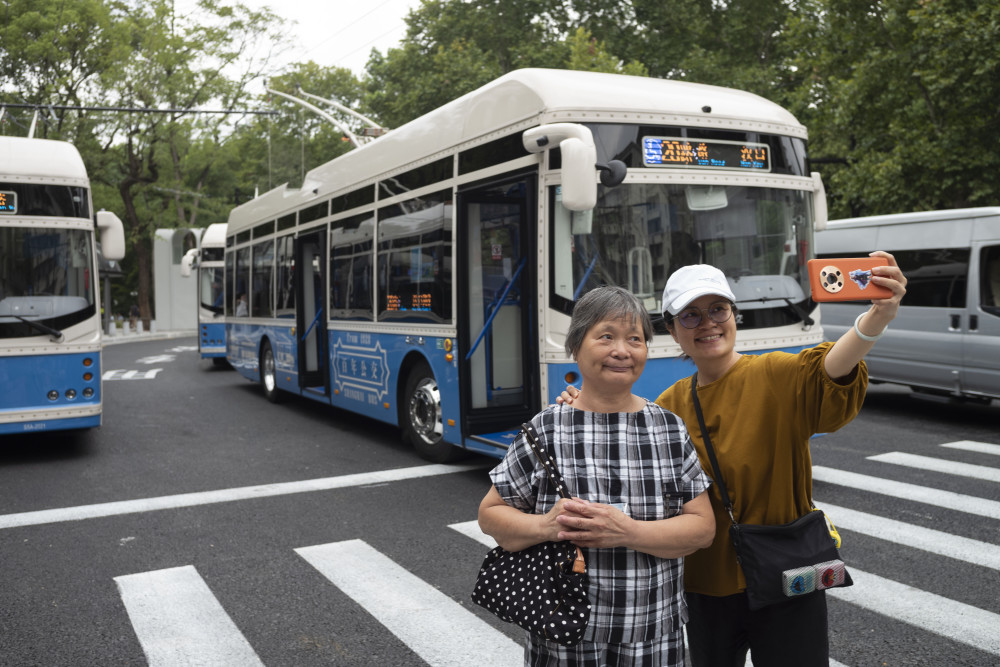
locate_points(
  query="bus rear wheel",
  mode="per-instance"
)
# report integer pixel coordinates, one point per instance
(421, 418)
(268, 376)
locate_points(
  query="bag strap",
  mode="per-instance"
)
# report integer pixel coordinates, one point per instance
(531, 435)
(726, 502)
(545, 459)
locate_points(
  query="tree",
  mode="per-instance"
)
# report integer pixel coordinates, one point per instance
(455, 46)
(52, 54)
(297, 139)
(587, 54)
(177, 63)
(902, 98)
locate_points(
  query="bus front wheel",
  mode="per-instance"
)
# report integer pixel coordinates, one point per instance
(268, 376)
(421, 418)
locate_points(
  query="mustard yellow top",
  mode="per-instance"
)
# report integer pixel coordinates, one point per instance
(760, 416)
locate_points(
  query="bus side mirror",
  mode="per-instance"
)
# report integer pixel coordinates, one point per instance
(187, 261)
(112, 234)
(579, 160)
(820, 212)
(579, 184)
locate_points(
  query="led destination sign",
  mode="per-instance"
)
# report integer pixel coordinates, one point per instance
(8, 202)
(704, 154)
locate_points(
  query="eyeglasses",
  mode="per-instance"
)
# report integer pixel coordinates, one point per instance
(718, 312)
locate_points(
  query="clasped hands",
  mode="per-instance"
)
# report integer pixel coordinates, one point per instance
(588, 524)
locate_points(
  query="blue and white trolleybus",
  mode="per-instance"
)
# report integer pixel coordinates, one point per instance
(426, 279)
(206, 261)
(50, 319)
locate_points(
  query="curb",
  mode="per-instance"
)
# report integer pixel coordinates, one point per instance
(158, 335)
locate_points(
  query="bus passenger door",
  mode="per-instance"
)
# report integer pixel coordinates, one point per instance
(310, 315)
(498, 351)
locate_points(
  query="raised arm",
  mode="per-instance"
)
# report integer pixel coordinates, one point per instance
(852, 347)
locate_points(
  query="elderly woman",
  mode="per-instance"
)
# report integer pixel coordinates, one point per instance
(639, 494)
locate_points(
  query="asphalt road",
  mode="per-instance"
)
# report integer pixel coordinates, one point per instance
(203, 525)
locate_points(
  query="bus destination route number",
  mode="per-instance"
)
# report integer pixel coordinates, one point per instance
(704, 154)
(8, 202)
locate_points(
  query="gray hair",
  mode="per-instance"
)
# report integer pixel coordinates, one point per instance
(605, 303)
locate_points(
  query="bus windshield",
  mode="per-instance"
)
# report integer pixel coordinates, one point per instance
(640, 233)
(211, 288)
(45, 276)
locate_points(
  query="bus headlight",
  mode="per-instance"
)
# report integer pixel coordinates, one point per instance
(71, 394)
(88, 392)
(53, 395)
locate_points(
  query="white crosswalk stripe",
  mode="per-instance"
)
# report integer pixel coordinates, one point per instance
(939, 465)
(955, 620)
(434, 626)
(180, 622)
(918, 537)
(972, 446)
(921, 494)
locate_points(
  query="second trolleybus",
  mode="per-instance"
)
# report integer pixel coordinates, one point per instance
(50, 319)
(206, 263)
(426, 279)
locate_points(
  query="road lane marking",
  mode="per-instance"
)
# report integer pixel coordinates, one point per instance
(926, 539)
(121, 374)
(471, 529)
(435, 627)
(973, 446)
(939, 465)
(953, 620)
(178, 621)
(226, 495)
(920, 494)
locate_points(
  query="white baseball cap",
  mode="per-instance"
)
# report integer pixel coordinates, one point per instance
(691, 282)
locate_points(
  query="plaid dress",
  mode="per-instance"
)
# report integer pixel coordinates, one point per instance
(644, 464)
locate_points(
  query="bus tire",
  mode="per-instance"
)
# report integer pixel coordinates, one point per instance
(421, 416)
(268, 376)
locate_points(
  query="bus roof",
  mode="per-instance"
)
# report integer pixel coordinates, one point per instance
(45, 160)
(519, 100)
(214, 236)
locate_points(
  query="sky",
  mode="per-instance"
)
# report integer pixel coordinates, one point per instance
(339, 33)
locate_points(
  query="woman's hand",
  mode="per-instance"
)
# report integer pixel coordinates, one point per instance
(892, 278)
(850, 349)
(567, 396)
(587, 524)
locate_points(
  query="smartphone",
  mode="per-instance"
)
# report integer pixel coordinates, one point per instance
(846, 279)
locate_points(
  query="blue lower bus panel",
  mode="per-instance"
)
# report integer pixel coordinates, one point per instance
(51, 392)
(212, 340)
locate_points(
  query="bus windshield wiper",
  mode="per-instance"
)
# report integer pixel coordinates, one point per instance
(57, 336)
(799, 311)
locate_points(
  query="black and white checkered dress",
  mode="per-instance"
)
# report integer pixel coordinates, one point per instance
(643, 463)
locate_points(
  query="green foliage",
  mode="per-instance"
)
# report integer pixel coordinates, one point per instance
(895, 93)
(898, 94)
(587, 54)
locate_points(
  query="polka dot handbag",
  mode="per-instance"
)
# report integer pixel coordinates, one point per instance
(543, 588)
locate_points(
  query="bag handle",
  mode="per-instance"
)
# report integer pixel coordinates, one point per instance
(726, 502)
(531, 435)
(545, 459)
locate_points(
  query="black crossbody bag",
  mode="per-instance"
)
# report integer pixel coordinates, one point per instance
(542, 589)
(779, 562)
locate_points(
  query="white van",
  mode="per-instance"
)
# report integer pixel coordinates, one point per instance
(946, 338)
